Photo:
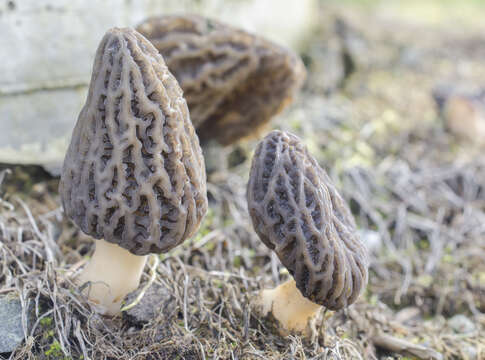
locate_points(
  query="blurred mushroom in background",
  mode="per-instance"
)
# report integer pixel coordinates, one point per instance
(463, 111)
(133, 176)
(298, 213)
(234, 81)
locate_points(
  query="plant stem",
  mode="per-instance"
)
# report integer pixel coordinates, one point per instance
(111, 274)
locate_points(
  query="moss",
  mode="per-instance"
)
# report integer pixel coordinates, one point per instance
(425, 280)
(210, 246)
(48, 334)
(55, 352)
(217, 283)
(46, 322)
(206, 226)
(236, 261)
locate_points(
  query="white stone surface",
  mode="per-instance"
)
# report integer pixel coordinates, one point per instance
(47, 49)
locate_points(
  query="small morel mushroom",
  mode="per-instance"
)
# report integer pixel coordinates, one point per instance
(234, 82)
(134, 173)
(298, 213)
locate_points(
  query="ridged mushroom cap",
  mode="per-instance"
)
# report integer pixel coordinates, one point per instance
(134, 172)
(298, 213)
(234, 82)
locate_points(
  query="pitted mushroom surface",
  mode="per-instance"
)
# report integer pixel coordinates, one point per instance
(134, 172)
(298, 213)
(234, 81)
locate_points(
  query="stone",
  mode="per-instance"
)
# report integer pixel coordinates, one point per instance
(11, 329)
(156, 299)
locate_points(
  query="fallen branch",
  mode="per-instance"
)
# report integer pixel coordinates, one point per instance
(404, 347)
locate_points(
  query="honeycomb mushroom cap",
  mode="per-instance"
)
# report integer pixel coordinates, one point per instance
(298, 213)
(234, 82)
(134, 172)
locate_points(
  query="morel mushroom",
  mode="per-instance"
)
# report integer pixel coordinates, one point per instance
(298, 213)
(463, 111)
(134, 172)
(234, 82)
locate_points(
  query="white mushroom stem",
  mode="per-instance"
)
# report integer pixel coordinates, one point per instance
(110, 275)
(288, 306)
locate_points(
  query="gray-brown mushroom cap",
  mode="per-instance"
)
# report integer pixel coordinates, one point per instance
(134, 172)
(298, 213)
(234, 82)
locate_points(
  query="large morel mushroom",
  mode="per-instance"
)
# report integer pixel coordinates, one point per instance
(234, 82)
(298, 213)
(134, 173)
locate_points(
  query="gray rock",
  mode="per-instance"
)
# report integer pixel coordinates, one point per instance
(11, 329)
(157, 299)
(461, 324)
